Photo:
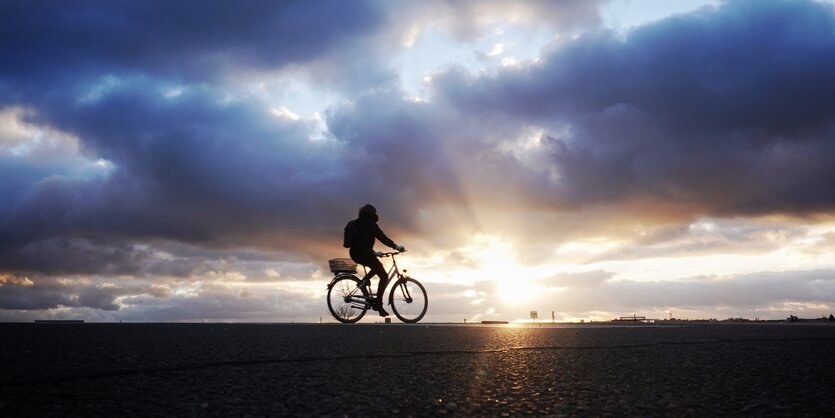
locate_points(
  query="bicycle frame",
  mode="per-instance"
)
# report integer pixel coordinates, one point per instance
(393, 272)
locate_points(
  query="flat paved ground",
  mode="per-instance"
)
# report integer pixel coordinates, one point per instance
(419, 370)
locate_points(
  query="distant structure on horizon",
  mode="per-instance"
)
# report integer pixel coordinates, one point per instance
(643, 319)
(633, 318)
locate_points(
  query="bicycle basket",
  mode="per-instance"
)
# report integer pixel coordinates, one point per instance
(339, 265)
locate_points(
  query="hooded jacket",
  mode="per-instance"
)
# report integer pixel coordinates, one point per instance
(368, 231)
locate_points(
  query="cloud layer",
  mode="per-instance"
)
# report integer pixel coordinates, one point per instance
(720, 112)
(150, 141)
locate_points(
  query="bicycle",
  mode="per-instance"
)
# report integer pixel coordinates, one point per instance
(350, 297)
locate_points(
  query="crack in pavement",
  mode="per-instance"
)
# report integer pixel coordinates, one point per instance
(103, 374)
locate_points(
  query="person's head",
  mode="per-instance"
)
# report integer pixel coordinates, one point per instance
(369, 211)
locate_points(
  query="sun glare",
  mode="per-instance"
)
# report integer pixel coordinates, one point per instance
(495, 260)
(516, 291)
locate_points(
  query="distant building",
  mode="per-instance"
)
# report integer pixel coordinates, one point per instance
(633, 318)
(737, 320)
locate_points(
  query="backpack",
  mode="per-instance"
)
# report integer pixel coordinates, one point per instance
(350, 236)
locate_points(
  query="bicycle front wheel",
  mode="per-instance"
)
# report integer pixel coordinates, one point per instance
(408, 300)
(344, 299)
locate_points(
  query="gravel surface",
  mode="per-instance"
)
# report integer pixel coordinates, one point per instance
(418, 370)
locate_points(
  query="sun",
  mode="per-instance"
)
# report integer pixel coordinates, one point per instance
(515, 291)
(496, 260)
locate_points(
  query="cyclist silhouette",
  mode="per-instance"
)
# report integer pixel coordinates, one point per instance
(361, 250)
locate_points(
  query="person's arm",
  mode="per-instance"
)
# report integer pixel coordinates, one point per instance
(383, 238)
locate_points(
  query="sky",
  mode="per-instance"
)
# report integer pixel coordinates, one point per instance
(198, 160)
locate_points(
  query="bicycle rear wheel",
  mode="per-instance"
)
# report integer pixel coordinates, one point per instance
(344, 299)
(408, 300)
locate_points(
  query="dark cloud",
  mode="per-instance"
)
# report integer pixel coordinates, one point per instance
(44, 292)
(103, 298)
(187, 40)
(721, 111)
(65, 255)
(22, 293)
(190, 170)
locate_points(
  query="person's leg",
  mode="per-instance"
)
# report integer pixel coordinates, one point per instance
(368, 275)
(364, 259)
(381, 289)
(377, 268)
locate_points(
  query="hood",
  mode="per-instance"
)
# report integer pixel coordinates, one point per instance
(369, 212)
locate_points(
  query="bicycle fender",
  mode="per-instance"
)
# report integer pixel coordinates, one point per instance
(335, 278)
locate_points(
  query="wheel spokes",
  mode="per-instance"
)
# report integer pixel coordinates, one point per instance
(344, 303)
(409, 300)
